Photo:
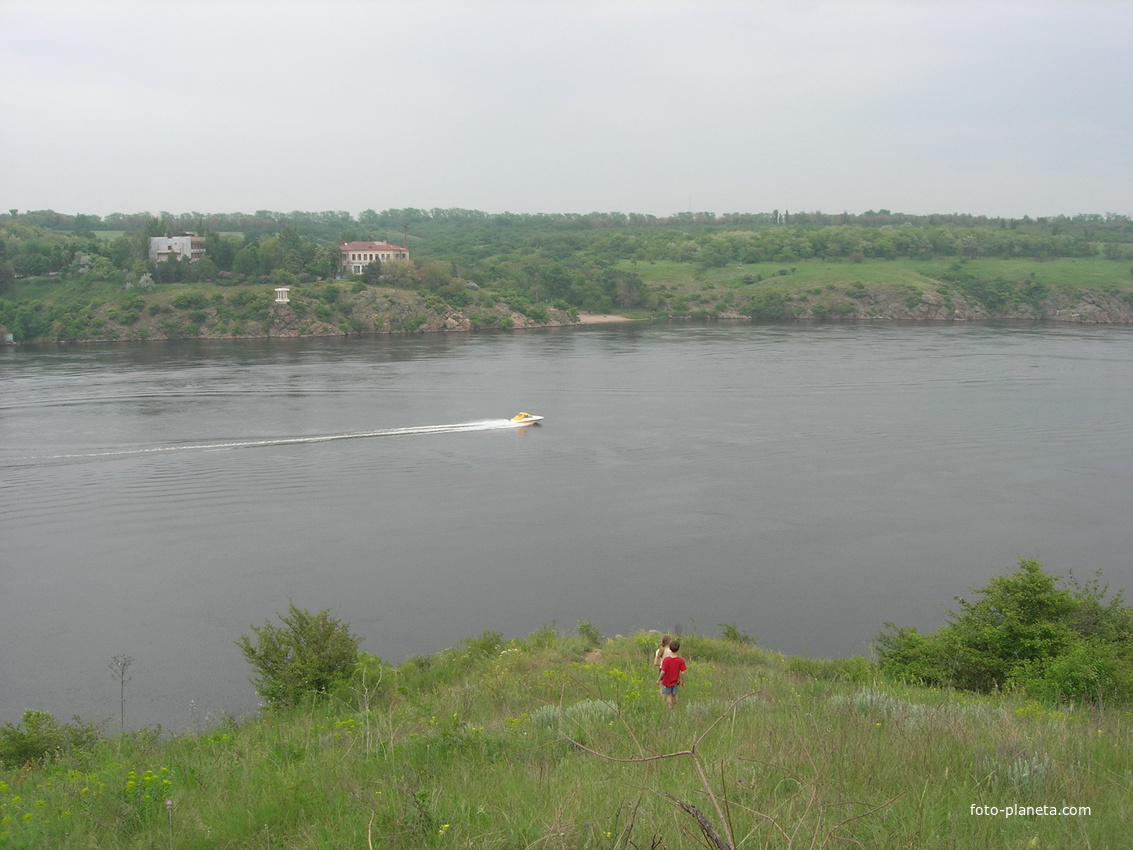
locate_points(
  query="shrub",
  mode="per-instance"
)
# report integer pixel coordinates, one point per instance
(589, 633)
(371, 681)
(1058, 643)
(486, 644)
(1086, 671)
(190, 300)
(308, 655)
(733, 634)
(39, 735)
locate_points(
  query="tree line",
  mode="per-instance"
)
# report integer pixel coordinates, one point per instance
(329, 224)
(566, 260)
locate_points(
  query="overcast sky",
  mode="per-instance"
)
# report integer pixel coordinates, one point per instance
(997, 107)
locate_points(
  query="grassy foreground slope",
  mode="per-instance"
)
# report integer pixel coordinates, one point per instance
(562, 742)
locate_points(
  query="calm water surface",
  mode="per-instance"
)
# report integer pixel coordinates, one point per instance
(804, 483)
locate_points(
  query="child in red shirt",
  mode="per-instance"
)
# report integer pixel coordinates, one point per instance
(672, 668)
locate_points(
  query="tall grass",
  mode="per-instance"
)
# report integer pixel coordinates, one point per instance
(541, 743)
(1065, 273)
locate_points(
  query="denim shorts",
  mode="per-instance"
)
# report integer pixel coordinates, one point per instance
(670, 689)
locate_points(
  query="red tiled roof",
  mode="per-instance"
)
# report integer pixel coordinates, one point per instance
(369, 246)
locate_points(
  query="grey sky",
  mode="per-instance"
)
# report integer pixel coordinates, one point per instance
(1001, 107)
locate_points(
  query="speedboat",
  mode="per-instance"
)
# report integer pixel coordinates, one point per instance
(525, 419)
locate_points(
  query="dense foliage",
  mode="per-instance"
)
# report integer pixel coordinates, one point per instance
(305, 657)
(1026, 632)
(40, 736)
(566, 259)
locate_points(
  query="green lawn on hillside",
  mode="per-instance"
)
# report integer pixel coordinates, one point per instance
(688, 278)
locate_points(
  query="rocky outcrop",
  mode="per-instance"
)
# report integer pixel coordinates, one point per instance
(1083, 306)
(318, 312)
(1090, 307)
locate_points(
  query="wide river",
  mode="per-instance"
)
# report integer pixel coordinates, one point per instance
(804, 483)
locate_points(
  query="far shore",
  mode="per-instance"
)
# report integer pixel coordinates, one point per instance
(600, 318)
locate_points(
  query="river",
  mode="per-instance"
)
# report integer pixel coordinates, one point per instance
(802, 482)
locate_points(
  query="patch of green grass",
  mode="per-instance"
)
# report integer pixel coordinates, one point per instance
(688, 278)
(1079, 273)
(534, 742)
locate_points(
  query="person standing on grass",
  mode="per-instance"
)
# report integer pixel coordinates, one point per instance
(663, 650)
(672, 673)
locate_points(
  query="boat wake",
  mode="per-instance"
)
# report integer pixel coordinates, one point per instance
(483, 425)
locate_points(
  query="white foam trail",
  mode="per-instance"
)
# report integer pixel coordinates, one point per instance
(484, 425)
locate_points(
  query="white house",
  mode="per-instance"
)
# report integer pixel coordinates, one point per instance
(174, 247)
(355, 256)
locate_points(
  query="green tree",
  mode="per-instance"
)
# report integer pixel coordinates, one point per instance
(39, 736)
(220, 250)
(305, 657)
(372, 272)
(1026, 631)
(7, 275)
(121, 252)
(247, 260)
(103, 269)
(204, 269)
(150, 227)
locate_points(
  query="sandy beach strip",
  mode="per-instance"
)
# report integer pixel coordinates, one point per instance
(600, 318)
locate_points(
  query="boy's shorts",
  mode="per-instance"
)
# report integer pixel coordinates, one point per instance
(670, 689)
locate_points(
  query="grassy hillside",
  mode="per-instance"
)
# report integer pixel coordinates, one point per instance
(1070, 289)
(1069, 273)
(61, 279)
(562, 742)
(66, 311)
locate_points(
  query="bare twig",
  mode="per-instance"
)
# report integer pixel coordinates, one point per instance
(691, 753)
(768, 818)
(613, 707)
(118, 667)
(705, 824)
(840, 823)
